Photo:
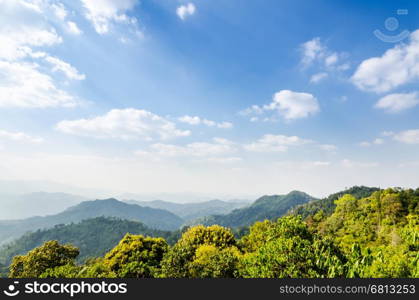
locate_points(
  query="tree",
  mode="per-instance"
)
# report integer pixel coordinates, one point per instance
(66, 271)
(287, 248)
(184, 259)
(136, 256)
(213, 262)
(50, 255)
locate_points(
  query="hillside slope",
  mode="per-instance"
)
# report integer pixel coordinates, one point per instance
(93, 237)
(154, 218)
(266, 207)
(190, 211)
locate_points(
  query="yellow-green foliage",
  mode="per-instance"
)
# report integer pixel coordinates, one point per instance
(286, 248)
(376, 236)
(180, 260)
(36, 262)
(136, 256)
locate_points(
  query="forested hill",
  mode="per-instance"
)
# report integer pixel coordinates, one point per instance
(154, 218)
(93, 237)
(327, 205)
(368, 237)
(266, 207)
(190, 211)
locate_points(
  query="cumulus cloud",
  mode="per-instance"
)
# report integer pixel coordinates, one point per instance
(23, 85)
(395, 103)
(103, 13)
(275, 143)
(198, 121)
(396, 67)
(408, 136)
(23, 79)
(289, 105)
(19, 137)
(123, 124)
(186, 10)
(17, 39)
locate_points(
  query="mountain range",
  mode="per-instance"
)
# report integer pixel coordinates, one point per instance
(191, 211)
(93, 237)
(96, 226)
(154, 218)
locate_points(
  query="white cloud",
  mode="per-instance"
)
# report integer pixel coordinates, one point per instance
(103, 13)
(190, 120)
(19, 137)
(15, 41)
(186, 10)
(288, 104)
(59, 10)
(275, 143)
(315, 53)
(395, 103)
(23, 85)
(312, 50)
(197, 121)
(66, 68)
(331, 60)
(408, 136)
(23, 80)
(292, 105)
(254, 109)
(318, 77)
(397, 66)
(73, 28)
(123, 124)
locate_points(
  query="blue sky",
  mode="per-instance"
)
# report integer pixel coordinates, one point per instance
(218, 97)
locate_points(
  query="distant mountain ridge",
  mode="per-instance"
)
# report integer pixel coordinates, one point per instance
(266, 207)
(151, 217)
(190, 211)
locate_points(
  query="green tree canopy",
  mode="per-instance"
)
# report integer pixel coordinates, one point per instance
(136, 256)
(184, 259)
(50, 255)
